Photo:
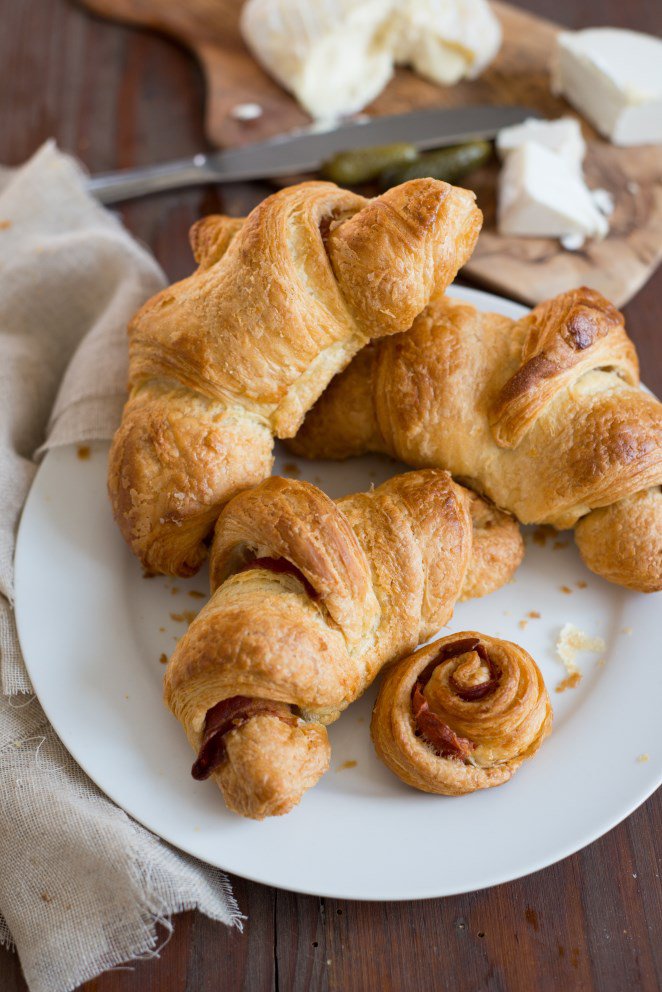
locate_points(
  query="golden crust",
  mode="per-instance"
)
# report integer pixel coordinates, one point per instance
(623, 542)
(543, 415)
(371, 576)
(502, 728)
(280, 303)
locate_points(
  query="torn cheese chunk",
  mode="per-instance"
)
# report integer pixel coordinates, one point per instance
(445, 40)
(540, 195)
(614, 78)
(563, 136)
(334, 56)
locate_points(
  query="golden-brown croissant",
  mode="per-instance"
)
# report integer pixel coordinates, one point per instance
(310, 599)
(461, 714)
(544, 415)
(238, 352)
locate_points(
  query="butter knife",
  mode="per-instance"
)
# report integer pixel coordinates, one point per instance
(305, 150)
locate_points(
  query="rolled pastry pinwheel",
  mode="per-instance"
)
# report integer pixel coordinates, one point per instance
(544, 415)
(310, 598)
(461, 714)
(225, 360)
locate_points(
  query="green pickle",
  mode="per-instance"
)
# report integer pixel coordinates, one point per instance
(448, 164)
(364, 164)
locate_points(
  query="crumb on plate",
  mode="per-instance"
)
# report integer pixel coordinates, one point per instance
(570, 681)
(571, 641)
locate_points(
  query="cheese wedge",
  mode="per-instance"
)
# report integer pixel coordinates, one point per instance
(563, 136)
(614, 78)
(540, 195)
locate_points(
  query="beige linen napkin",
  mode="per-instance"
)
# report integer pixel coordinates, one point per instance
(82, 886)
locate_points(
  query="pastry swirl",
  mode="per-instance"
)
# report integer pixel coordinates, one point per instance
(310, 598)
(238, 352)
(461, 714)
(543, 415)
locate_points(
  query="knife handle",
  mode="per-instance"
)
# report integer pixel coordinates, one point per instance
(113, 187)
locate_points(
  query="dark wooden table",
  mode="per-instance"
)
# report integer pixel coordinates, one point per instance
(118, 97)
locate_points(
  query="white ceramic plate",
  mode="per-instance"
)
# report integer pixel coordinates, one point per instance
(93, 630)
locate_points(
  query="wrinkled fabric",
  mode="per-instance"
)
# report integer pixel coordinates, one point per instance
(82, 886)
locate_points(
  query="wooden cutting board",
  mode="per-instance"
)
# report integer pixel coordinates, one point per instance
(530, 269)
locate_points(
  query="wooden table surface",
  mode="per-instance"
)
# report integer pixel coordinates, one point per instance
(118, 97)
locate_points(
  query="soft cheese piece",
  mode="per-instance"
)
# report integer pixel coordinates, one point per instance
(614, 78)
(445, 40)
(334, 56)
(541, 196)
(563, 136)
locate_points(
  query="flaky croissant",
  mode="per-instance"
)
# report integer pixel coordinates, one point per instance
(461, 714)
(310, 599)
(238, 352)
(544, 415)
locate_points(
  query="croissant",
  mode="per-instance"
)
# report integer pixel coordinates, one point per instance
(461, 714)
(238, 352)
(544, 415)
(310, 599)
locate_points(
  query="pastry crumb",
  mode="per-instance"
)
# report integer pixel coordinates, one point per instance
(523, 624)
(346, 764)
(643, 758)
(161, 630)
(626, 630)
(601, 662)
(560, 544)
(533, 615)
(566, 589)
(164, 658)
(84, 452)
(292, 469)
(581, 584)
(570, 681)
(148, 575)
(196, 594)
(541, 534)
(174, 590)
(5, 225)
(186, 616)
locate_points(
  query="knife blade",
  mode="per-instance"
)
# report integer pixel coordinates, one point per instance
(307, 149)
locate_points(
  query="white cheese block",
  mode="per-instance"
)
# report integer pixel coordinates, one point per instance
(445, 40)
(614, 78)
(541, 196)
(334, 56)
(563, 136)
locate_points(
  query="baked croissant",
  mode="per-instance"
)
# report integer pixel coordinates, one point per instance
(310, 599)
(240, 350)
(544, 415)
(461, 714)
